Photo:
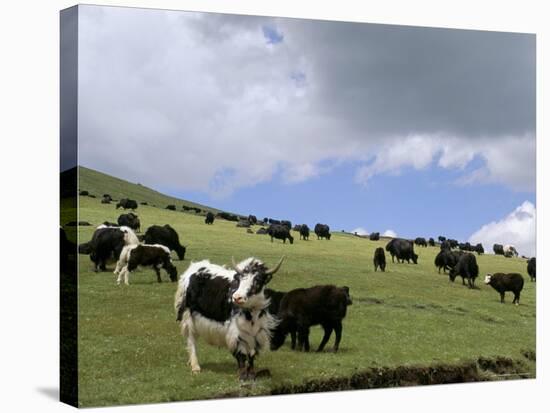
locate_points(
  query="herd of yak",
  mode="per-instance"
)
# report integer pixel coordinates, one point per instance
(233, 307)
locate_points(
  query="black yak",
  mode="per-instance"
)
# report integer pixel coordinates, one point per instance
(506, 282)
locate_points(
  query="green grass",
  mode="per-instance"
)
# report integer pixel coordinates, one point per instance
(131, 350)
(97, 183)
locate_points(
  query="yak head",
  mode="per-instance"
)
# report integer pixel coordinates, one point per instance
(251, 276)
(180, 250)
(452, 274)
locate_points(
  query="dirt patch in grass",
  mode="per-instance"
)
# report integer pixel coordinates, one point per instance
(465, 372)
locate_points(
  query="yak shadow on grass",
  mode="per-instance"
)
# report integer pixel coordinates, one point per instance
(220, 367)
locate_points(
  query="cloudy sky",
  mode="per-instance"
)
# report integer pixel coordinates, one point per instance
(417, 131)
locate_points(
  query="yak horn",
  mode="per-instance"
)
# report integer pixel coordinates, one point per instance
(235, 266)
(274, 270)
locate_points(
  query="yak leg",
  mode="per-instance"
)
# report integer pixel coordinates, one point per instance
(188, 332)
(326, 336)
(303, 338)
(338, 332)
(241, 362)
(118, 267)
(157, 271)
(251, 374)
(121, 274)
(516, 298)
(293, 339)
(502, 297)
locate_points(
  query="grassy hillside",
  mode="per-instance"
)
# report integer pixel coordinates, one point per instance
(406, 320)
(98, 183)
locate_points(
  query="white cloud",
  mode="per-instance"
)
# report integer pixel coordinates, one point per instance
(509, 160)
(518, 228)
(200, 101)
(389, 233)
(360, 231)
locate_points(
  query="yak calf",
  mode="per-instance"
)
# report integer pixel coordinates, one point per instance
(302, 308)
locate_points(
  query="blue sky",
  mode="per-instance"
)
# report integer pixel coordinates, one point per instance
(422, 131)
(415, 203)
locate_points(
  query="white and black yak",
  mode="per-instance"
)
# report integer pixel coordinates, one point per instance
(155, 256)
(227, 308)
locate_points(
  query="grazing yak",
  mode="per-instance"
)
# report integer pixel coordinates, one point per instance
(286, 223)
(262, 231)
(280, 232)
(453, 243)
(243, 223)
(107, 244)
(302, 308)
(431, 242)
(379, 259)
(322, 231)
(156, 256)
(532, 268)
(106, 200)
(130, 220)
(465, 246)
(498, 249)
(227, 307)
(274, 221)
(478, 248)
(166, 236)
(403, 249)
(374, 236)
(144, 203)
(467, 268)
(209, 218)
(441, 238)
(506, 282)
(509, 251)
(304, 232)
(421, 242)
(275, 298)
(252, 219)
(446, 259)
(228, 217)
(126, 204)
(171, 207)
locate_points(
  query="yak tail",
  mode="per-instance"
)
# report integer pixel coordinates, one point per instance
(179, 303)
